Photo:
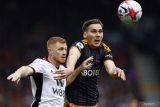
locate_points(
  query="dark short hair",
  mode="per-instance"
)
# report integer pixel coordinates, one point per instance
(89, 22)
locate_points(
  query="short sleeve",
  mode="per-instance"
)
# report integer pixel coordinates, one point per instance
(79, 45)
(107, 52)
(37, 65)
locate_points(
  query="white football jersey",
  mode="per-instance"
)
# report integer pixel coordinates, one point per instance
(47, 92)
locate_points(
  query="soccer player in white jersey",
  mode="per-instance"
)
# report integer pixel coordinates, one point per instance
(48, 92)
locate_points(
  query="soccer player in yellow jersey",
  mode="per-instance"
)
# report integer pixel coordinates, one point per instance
(83, 92)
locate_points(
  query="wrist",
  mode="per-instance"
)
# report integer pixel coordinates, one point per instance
(112, 71)
(81, 67)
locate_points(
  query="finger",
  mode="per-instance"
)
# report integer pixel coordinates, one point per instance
(89, 60)
(14, 79)
(59, 77)
(119, 73)
(56, 75)
(10, 77)
(114, 72)
(18, 81)
(60, 70)
(89, 65)
(123, 76)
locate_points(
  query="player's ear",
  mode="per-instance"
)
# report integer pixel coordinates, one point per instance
(49, 50)
(84, 35)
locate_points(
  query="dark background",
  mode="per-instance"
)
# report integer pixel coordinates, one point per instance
(25, 27)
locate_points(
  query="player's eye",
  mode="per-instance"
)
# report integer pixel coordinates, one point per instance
(100, 31)
(65, 49)
(97, 31)
(61, 48)
(94, 31)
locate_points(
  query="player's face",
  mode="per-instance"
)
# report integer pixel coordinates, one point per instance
(59, 52)
(94, 35)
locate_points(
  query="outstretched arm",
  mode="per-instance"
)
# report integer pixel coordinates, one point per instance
(113, 70)
(19, 73)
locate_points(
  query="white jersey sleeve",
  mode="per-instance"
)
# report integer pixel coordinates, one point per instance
(38, 65)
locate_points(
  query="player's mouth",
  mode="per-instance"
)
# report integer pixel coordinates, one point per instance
(63, 57)
(97, 41)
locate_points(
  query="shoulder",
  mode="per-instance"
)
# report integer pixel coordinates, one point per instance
(105, 47)
(38, 60)
(80, 44)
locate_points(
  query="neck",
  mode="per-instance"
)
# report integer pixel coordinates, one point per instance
(53, 62)
(92, 47)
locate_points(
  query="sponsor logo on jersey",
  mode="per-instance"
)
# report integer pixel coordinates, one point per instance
(60, 83)
(90, 72)
(58, 91)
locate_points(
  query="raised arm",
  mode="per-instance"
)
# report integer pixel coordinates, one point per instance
(113, 70)
(19, 73)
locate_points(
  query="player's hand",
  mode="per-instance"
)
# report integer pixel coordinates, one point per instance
(62, 73)
(87, 64)
(14, 77)
(120, 73)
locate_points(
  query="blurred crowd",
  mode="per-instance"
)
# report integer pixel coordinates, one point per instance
(26, 25)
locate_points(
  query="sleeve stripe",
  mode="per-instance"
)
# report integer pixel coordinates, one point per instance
(34, 71)
(106, 47)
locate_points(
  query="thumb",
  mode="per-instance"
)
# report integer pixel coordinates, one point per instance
(114, 71)
(18, 80)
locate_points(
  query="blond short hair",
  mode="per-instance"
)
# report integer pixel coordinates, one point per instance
(54, 40)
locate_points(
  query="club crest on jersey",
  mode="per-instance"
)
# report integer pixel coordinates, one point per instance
(79, 45)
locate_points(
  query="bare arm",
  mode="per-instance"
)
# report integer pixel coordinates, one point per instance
(19, 73)
(73, 56)
(85, 65)
(113, 70)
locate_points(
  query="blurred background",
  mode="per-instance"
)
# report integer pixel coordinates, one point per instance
(26, 25)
